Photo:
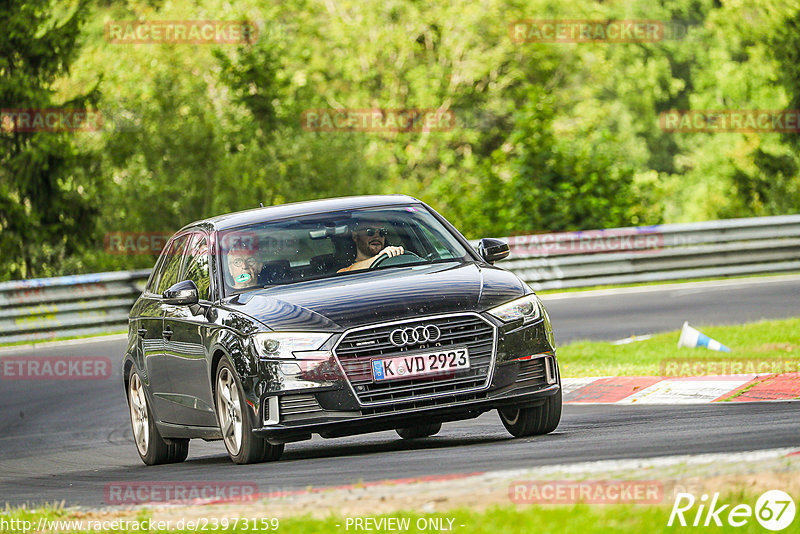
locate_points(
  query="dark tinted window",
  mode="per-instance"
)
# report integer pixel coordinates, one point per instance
(197, 265)
(171, 266)
(320, 246)
(153, 280)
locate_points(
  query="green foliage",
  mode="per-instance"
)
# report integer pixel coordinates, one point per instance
(46, 183)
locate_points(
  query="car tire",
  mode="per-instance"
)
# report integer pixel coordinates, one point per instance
(420, 431)
(533, 420)
(236, 421)
(152, 448)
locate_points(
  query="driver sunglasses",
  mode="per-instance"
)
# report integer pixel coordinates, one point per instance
(372, 231)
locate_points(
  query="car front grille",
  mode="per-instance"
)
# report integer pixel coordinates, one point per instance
(424, 403)
(358, 347)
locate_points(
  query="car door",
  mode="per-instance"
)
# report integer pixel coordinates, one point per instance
(150, 329)
(186, 351)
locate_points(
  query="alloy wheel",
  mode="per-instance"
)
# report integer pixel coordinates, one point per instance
(139, 418)
(229, 411)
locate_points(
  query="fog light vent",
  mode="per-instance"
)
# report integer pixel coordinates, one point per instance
(550, 369)
(271, 411)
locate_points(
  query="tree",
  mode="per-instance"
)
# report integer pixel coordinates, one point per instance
(46, 208)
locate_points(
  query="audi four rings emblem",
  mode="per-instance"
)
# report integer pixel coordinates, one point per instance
(412, 336)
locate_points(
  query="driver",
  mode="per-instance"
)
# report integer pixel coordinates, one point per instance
(370, 240)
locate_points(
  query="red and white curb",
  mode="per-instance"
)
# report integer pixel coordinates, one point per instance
(681, 390)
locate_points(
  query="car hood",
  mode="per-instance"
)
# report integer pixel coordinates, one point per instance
(342, 302)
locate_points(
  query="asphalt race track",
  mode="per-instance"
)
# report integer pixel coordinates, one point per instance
(65, 440)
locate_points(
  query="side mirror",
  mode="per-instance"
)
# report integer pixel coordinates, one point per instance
(493, 250)
(182, 294)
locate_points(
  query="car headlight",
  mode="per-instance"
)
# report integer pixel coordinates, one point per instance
(284, 345)
(526, 308)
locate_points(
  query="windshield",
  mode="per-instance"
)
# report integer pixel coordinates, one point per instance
(334, 244)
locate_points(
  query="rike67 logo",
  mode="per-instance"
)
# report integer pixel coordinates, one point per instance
(774, 510)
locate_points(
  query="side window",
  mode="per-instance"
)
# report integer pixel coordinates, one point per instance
(171, 266)
(197, 265)
(151, 282)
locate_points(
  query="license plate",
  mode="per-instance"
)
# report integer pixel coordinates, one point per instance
(421, 364)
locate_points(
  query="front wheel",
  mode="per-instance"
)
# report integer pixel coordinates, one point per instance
(420, 431)
(236, 421)
(534, 420)
(152, 448)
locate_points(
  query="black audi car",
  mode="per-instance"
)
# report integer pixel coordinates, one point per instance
(333, 317)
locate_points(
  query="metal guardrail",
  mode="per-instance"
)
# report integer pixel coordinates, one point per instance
(46, 308)
(657, 253)
(94, 303)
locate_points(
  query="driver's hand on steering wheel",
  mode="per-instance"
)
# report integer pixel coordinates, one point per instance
(391, 252)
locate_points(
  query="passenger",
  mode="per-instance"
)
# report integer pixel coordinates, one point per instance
(370, 240)
(243, 266)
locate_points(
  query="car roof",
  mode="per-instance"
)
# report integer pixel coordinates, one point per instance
(299, 209)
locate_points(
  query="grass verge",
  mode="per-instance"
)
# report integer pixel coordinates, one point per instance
(764, 340)
(579, 518)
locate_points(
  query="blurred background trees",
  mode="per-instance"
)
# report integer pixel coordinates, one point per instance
(47, 205)
(548, 136)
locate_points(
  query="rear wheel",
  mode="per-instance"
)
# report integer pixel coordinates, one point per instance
(152, 448)
(420, 431)
(534, 420)
(236, 421)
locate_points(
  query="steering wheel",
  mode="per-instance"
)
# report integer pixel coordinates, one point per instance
(385, 260)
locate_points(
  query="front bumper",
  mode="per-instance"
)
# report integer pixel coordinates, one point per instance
(523, 371)
(457, 409)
